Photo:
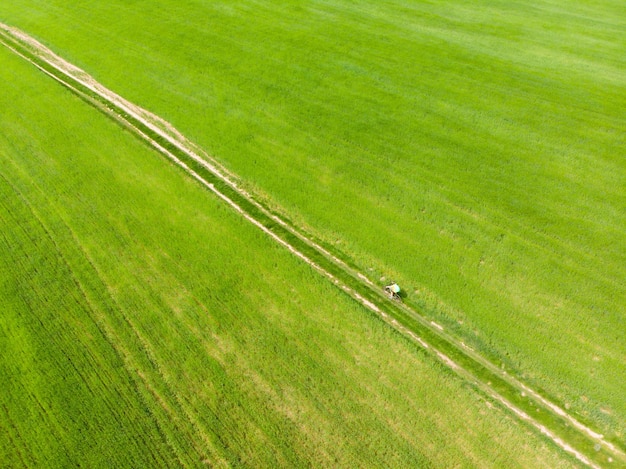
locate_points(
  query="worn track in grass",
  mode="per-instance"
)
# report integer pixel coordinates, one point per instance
(526, 404)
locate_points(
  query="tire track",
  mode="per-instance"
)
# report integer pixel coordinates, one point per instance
(577, 439)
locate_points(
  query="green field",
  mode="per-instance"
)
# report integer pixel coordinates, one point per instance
(145, 324)
(474, 154)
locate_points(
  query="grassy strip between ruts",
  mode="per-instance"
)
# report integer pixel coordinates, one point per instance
(435, 338)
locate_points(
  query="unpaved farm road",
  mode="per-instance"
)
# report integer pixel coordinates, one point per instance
(577, 439)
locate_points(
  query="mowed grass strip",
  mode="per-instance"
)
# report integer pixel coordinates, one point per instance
(474, 154)
(147, 324)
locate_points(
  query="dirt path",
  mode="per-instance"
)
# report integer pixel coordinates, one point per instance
(152, 128)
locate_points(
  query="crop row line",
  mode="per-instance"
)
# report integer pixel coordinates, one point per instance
(569, 434)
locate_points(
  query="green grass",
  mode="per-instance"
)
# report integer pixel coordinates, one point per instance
(145, 324)
(474, 154)
(492, 378)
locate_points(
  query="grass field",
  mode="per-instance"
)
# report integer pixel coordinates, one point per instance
(145, 324)
(474, 154)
